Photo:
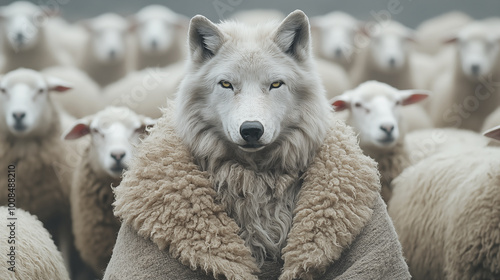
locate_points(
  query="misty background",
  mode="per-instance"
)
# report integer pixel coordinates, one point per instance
(409, 12)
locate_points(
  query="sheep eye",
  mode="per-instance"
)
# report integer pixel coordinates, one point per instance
(226, 84)
(3, 90)
(40, 91)
(398, 103)
(358, 105)
(96, 131)
(277, 84)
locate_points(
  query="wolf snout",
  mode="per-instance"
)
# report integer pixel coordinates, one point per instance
(251, 131)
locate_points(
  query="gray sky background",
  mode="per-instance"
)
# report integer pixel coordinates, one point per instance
(411, 12)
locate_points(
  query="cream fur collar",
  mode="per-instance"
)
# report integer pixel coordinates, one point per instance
(166, 198)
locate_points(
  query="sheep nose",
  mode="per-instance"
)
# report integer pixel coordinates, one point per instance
(392, 62)
(118, 155)
(251, 131)
(18, 116)
(112, 54)
(338, 52)
(387, 128)
(475, 69)
(154, 44)
(20, 37)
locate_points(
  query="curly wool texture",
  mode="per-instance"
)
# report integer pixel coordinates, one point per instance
(94, 226)
(166, 198)
(36, 254)
(447, 215)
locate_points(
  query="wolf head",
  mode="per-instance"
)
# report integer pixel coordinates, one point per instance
(252, 93)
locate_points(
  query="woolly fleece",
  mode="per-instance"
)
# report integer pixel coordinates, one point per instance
(166, 198)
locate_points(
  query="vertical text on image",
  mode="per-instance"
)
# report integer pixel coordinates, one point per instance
(11, 218)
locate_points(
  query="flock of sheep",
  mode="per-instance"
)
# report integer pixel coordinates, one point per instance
(418, 100)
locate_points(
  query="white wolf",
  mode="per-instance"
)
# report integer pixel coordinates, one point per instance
(253, 112)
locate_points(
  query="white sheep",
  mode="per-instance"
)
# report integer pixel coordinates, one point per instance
(387, 56)
(334, 37)
(30, 129)
(159, 37)
(106, 54)
(446, 211)
(374, 113)
(465, 96)
(430, 33)
(145, 91)
(334, 78)
(25, 41)
(28, 249)
(258, 16)
(114, 133)
(84, 98)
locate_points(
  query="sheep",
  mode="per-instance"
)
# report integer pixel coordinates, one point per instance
(25, 41)
(374, 112)
(386, 58)
(258, 16)
(465, 95)
(160, 37)
(430, 33)
(446, 211)
(34, 254)
(30, 131)
(334, 36)
(85, 96)
(114, 132)
(145, 91)
(106, 56)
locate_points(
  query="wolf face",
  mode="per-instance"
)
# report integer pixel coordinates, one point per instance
(251, 89)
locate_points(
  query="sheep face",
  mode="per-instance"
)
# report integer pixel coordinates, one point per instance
(478, 46)
(389, 46)
(108, 38)
(22, 22)
(115, 132)
(25, 102)
(155, 36)
(337, 36)
(375, 112)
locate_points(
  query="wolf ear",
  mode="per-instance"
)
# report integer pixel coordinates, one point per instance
(205, 39)
(293, 35)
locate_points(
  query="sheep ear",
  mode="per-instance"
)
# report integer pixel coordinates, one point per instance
(340, 103)
(413, 96)
(205, 38)
(493, 133)
(293, 36)
(58, 85)
(80, 128)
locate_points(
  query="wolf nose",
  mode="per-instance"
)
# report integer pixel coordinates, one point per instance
(387, 128)
(18, 116)
(118, 155)
(251, 131)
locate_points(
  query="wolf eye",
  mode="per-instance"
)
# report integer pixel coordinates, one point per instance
(276, 84)
(226, 84)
